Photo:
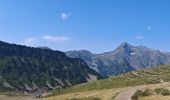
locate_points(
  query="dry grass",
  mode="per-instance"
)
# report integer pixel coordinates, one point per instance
(107, 94)
(3, 97)
(155, 97)
(108, 88)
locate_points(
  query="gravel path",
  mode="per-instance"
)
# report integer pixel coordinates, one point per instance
(126, 95)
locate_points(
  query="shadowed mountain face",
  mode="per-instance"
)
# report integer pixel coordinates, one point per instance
(26, 68)
(123, 59)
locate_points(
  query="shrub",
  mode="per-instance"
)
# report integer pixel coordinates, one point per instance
(158, 90)
(162, 91)
(147, 92)
(137, 94)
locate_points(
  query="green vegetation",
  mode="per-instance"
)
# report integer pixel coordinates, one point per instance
(141, 77)
(21, 65)
(147, 92)
(162, 91)
(12, 94)
(115, 82)
(137, 94)
(140, 93)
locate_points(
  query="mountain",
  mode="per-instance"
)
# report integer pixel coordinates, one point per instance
(27, 69)
(168, 56)
(152, 76)
(123, 59)
(44, 47)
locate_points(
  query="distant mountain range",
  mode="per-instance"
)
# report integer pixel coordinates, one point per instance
(28, 69)
(123, 59)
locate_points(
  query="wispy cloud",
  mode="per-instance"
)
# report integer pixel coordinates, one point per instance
(29, 41)
(65, 16)
(138, 37)
(149, 27)
(56, 39)
(32, 41)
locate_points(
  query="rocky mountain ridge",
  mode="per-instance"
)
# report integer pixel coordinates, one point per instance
(27, 69)
(123, 59)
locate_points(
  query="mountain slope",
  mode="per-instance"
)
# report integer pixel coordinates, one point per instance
(147, 76)
(27, 69)
(123, 59)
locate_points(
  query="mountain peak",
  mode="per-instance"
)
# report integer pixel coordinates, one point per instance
(125, 45)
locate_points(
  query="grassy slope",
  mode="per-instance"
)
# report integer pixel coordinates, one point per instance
(142, 77)
(154, 96)
(106, 94)
(107, 89)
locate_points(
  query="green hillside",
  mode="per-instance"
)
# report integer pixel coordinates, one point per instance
(28, 69)
(134, 78)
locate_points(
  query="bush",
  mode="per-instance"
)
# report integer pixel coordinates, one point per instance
(162, 91)
(137, 94)
(147, 92)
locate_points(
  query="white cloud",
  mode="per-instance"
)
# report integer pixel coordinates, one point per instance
(32, 41)
(65, 16)
(56, 39)
(139, 37)
(29, 41)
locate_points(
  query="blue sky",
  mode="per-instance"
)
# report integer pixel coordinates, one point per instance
(95, 25)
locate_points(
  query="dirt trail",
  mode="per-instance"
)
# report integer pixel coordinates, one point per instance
(126, 95)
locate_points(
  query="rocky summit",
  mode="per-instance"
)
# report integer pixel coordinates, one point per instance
(124, 58)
